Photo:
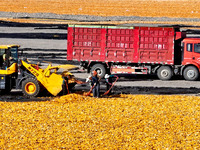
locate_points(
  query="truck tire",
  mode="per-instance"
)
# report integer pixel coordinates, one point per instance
(30, 87)
(191, 73)
(164, 73)
(100, 69)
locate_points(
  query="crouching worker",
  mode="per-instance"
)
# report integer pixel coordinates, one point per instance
(109, 82)
(65, 88)
(95, 84)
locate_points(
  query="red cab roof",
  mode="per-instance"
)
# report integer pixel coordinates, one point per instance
(193, 40)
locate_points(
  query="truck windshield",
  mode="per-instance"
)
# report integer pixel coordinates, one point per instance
(197, 48)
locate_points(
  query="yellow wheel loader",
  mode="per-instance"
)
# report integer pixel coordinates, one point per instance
(32, 79)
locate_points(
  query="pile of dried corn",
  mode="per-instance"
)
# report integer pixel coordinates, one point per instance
(124, 122)
(150, 8)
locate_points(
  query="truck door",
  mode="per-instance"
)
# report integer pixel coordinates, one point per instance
(196, 53)
(191, 56)
(191, 53)
(188, 53)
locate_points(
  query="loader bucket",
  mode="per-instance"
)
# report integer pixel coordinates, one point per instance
(51, 81)
(53, 84)
(64, 67)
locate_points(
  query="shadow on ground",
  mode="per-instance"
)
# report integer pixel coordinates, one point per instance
(156, 90)
(116, 91)
(144, 90)
(17, 96)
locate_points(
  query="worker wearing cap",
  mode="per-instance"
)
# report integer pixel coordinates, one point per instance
(109, 81)
(96, 84)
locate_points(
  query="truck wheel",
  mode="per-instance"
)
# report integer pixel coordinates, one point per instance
(191, 73)
(100, 69)
(164, 73)
(30, 87)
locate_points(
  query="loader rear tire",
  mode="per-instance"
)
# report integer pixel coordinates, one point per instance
(30, 87)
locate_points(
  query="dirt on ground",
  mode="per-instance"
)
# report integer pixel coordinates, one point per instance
(151, 8)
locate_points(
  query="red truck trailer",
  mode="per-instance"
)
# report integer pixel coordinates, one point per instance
(164, 51)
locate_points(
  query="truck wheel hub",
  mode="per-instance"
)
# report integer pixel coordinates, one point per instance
(30, 87)
(190, 73)
(164, 73)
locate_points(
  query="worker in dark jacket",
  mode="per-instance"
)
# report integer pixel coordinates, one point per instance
(96, 84)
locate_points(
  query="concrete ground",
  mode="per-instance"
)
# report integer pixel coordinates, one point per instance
(50, 43)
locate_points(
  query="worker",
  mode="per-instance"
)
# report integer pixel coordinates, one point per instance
(6, 60)
(65, 84)
(95, 84)
(109, 81)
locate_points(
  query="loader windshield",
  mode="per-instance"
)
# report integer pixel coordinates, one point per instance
(14, 54)
(8, 55)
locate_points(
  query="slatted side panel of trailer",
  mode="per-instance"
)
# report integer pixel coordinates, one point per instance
(156, 45)
(119, 45)
(86, 43)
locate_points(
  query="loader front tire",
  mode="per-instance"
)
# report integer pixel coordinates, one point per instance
(30, 87)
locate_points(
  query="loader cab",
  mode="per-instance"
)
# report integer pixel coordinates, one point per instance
(8, 56)
(8, 67)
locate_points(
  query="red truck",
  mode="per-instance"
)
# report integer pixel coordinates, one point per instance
(164, 51)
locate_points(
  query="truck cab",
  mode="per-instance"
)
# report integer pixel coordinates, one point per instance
(191, 58)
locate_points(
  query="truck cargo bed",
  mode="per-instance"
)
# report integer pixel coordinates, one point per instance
(154, 45)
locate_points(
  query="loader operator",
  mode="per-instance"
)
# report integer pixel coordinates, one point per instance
(6, 59)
